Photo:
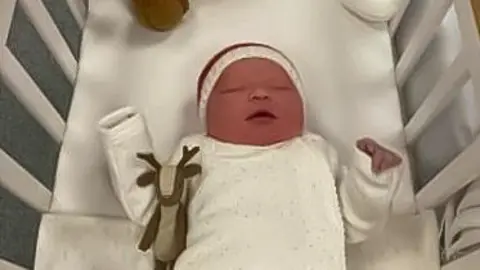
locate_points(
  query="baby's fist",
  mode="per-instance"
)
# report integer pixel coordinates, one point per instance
(382, 158)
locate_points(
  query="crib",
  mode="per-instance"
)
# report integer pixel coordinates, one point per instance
(447, 196)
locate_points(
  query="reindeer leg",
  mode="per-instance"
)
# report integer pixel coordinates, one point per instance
(159, 265)
(151, 230)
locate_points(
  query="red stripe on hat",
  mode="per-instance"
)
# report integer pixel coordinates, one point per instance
(216, 57)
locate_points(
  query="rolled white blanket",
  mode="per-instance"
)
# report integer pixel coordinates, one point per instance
(75, 242)
(374, 10)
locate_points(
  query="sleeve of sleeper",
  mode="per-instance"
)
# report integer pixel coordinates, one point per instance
(365, 198)
(124, 134)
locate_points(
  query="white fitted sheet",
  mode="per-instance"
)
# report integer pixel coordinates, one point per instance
(345, 62)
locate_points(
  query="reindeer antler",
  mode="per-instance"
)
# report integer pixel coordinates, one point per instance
(188, 155)
(149, 177)
(150, 159)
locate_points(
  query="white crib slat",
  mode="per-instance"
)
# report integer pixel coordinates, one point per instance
(421, 38)
(48, 31)
(470, 262)
(4, 265)
(460, 172)
(22, 184)
(395, 22)
(79, 11)
(7, 7)
(446, 89)
(28, 93)
(471, 40)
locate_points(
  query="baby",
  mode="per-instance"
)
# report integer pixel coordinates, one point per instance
(270, 195)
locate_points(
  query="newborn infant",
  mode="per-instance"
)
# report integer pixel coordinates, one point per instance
(270, 195)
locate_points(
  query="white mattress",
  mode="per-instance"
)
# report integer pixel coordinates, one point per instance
(345, 62)
(346, 66)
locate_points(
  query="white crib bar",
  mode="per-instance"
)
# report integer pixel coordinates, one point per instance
(397, 19)
(28, 93)
(471, 40)
(446, 89)
(421, 38)
(78, 10)
(460, 172)
(48, 31)
(22, 184)
(4, 265)
(470, 262)
(7, 7)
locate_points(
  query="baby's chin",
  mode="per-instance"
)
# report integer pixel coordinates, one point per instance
(260, 130)
(270, 140)
(261, 122)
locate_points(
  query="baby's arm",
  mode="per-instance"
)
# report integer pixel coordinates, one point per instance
(366, 188)
(124, 134)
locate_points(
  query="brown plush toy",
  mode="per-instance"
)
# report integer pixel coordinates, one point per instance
(166, 231)
(160, 15)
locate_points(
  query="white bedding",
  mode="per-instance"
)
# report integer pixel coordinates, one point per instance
(347, 70)
(346, 65)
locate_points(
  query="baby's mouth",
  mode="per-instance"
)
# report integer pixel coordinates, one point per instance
(261, 115)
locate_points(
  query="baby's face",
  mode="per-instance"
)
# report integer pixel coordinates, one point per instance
(254, 102)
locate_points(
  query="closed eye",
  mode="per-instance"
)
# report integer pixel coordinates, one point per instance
(232, 90)
(282, 88)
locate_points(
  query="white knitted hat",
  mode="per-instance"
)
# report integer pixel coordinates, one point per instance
(215, 67)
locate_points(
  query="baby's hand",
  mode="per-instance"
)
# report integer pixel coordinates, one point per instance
(382, 158)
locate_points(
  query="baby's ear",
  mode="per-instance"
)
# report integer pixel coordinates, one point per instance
(374, 10)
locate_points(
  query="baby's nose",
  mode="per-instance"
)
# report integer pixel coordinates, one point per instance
(259, 93)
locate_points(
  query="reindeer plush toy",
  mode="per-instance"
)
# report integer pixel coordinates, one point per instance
(166, 230)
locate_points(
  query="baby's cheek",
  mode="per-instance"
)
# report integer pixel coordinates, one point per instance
(293, 104)
(225, 111)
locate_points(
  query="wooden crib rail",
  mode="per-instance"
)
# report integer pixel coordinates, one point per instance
(4, 265)
(472, 261)
(471, 38)
(444, 92)
(22, 184)
(12, 176)
(465, 168)
(78, 10)
(29, 94)
(459, 173)
(50, 34)
(421, 38)
(6, 13)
